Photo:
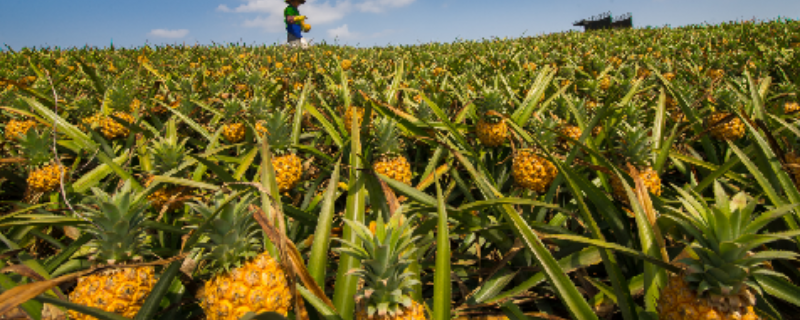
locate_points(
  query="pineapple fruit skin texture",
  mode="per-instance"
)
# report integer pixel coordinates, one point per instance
(122, 291)
(573, 132)
(234, 132)
(650, 179)
(679, 302)
(731, 130)
(161, 196)
(46, 178)
(112, 129)
(288, 171)
(258, 286)
(415, 312)
(16, 128)
(533, 172)
(348, 116)
(396, 168)
(492, 134)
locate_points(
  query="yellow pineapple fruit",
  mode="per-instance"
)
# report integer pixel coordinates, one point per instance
(112, 129)
(119, 239)
(46, 178)
(725, 126)
(605, 83)
(16, 128)
(346, 64)
(570, 131)
(234, 132)
(492, 130)
(531, 171)
(244, 279)
(791, 107)
(390, 162)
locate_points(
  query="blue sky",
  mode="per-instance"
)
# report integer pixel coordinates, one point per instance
(132, 23)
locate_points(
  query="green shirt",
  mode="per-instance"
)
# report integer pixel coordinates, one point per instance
(289, 11)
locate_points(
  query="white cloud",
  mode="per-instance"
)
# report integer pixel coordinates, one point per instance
(342, 32)
(166, 33)
(378, 6)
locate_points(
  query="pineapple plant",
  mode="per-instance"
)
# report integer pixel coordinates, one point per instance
(233, 131)
(387, 282)
(390, 162)
(288, 166)
(717, 282)
(46, 174)
(244, 277)
(167, 155)
(119, 238)
(530, 170)
(634, 147)
(492, 130)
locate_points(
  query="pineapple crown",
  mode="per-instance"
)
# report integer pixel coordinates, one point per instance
(387, 138)
(545, 130)
(491, 105)
(118, 225)
(36, 147)
(261, 108)
(724, 236)
(168, 152)
(385, 257)
(279, 133)
(232, 233)
(231, 108)
(120, 97)
(634, 145)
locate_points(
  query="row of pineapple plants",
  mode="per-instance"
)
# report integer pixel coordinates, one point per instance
(527, 161)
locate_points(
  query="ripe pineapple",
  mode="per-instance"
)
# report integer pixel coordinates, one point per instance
(573, 132)
(722, 129)
(492, 130)
(634, 145)
(605, 83)
(531, 171)
(390, 162)
(112, 129)
(791, 107)
(717, 284)
(385, 256)
(16, 128)
(288, 166)
(245, 278)
(234, 132)
(120, 238)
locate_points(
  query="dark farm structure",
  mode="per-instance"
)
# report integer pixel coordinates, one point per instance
(606, 21)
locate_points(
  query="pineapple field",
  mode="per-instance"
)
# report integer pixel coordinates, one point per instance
(648, 173)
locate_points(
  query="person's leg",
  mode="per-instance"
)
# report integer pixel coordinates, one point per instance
(293, 41)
